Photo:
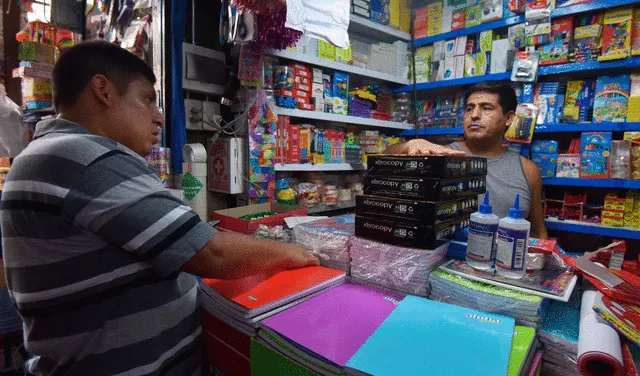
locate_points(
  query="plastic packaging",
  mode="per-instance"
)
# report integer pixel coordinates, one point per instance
(283, 77)
(330, 194)
(521, 129)
(525, 67)
(512, 243)
(404, 270)
(308, 194)
(328, 239)
(620, 159)
(482, 235)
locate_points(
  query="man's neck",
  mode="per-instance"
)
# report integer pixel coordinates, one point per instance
(484, 148)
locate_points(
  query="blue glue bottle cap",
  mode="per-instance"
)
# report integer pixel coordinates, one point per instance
(515, 212)
(485, 207)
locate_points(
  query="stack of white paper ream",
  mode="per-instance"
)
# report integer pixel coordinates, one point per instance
(559, 335)
(403, 270)
(527, 309)
(328, 239)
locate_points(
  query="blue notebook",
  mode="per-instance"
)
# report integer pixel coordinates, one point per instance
(425, 337)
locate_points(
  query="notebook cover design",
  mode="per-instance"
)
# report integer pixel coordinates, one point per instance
(260, 290)
(425, 337)
(335, 323)
(522, 340)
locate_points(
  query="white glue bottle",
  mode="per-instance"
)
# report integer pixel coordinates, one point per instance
(482, 235)
(512, 243)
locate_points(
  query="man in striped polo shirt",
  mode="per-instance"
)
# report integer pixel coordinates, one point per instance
(96, 249)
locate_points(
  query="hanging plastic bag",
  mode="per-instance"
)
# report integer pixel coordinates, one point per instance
(14, 136)
(326, 20)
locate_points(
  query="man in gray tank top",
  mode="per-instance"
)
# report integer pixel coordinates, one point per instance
(490, 109)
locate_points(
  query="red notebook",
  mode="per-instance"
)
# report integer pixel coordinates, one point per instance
(260, 293)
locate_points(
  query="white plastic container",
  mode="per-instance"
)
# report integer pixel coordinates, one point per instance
(513, 243)
(482, 235)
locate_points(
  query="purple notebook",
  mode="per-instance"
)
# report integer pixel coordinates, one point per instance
(336, 323)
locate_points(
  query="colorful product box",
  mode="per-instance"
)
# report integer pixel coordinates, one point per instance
(611, 98)
(595, 153)
(547, 164)
(459, 19)
(568, 166)
(616, 34)
(427, 166)
(633, 108)
(427, 189)
(473, 16)
(635, 33)
(578, 103)
(544, 146)
(434, 20)
(485, 41)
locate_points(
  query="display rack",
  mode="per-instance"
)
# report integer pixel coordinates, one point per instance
(319, 62)
(542, 128)
(592, 229)
(360, 25)
(594, 183)
(324, 116)
(470, 30)
(293, 167)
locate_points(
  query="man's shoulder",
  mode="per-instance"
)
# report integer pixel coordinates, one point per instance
(531, 170)
(79, 148)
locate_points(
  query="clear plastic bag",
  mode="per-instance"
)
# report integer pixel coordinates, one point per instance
(14, 135)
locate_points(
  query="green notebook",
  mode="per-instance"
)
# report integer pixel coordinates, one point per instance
(522, 340)
(266, 362)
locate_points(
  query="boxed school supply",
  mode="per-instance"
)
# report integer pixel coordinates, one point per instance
(427, 166)
(408, 234)
(424, 212)
(611, 98)
(595, 151)
(568, 166)
(616, 34)
(429, 189)
(578, 103)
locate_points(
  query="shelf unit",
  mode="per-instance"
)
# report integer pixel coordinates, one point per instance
(292, 167)
(590, 7)
(457, 82)
(317, 115)
(327, 208)
(313, 60)
(595, 183)
(626, 63)
(592, 228)
(361, 25)
(470, 30)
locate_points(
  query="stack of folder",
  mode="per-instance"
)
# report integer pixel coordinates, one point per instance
(324, 332)
(328, 239)
(401, 269)
(425, 337)
(243, 303)
(523, 351)
(527, 309)
(559, 335)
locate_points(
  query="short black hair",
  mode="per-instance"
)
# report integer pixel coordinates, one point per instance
(506, 93)
(77, 65)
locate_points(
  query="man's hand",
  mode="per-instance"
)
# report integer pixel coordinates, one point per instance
(421, 147)
(298, 257)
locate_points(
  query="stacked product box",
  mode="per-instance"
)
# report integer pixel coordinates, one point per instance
(419, 201)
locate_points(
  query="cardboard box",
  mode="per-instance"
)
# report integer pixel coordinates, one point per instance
(436, 166)
(458, 20)
(449, 71)
(449, 49)
(427, 189)
(438, 50)
(458, 70)
(230, 218)
(501, 56)
(408, 234)
(424, 212)
(461, 46)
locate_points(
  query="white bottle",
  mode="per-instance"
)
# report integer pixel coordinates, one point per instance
(513, 243)
(482, 235)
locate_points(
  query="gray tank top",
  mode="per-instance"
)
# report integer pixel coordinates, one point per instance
(505, 178)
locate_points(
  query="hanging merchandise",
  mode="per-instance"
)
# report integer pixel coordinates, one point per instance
(521, 129)
(326, 20)
(525, 67)
(251, 65)
(260, 5)
(273, 33)
(13, 133)
(538, 22)
(262, 149)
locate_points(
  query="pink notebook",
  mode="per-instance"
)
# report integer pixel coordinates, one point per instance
(336, 323)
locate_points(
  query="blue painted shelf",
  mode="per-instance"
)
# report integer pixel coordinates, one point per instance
(433, 132)
(628, 63)
(596, 183)
(589, 228)
(470, 30)
(589, 7)
(587, 127)
(456, 82)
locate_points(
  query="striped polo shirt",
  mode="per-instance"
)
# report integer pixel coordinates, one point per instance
(93, 246)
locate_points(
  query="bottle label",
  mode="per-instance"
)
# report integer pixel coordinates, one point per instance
(511, 248)
(481, 241)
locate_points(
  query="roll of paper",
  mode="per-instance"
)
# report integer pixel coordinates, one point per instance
(194, 186)
(194, 153)
(599, 348)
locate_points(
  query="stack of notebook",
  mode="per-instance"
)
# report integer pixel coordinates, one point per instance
(328, 239)
(523, 351)
(559, 335)
(324, 332)
(404, 270)
(243, 303)
(425, 337)
(527, 309)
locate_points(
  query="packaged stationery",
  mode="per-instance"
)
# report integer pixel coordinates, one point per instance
(616, 34)
(611, 98)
